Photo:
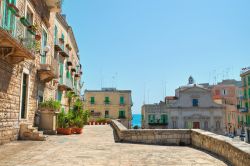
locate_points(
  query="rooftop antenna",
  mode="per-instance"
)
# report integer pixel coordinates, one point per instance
(144, 95)
(101, 79)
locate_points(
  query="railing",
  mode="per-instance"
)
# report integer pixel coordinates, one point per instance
(243, 109)
(122, 117)
(69, 83)
(17, 31)
(59, 44)
(95, 114)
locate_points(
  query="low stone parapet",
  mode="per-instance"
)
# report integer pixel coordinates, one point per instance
(235, 152)
(152, 136)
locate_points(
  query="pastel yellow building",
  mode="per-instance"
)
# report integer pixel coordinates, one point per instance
(109, 103)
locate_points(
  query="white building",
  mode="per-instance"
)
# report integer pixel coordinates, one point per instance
(191, 107)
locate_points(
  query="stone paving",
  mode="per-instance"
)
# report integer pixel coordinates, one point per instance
(96, 147)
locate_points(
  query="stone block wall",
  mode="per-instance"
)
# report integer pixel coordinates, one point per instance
(152, 136)
(235, 152)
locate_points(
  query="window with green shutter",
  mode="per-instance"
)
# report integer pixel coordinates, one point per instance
(59, 95)
(248, 80)
(245, 93)
(55, 35)
(121, 100)
(249, 93)
(121, 114)
(151, 118)
(164, 119)
(106, 100)
(92, 100)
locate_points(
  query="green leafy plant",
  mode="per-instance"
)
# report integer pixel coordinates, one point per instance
(62, 121)
(50, 104)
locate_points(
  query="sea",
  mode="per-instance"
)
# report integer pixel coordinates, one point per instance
(136, 121)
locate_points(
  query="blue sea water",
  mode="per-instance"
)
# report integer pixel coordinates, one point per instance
(136, 121)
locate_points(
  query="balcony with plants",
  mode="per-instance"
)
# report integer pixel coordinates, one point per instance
(59, 47)
(48, 71)
(15, 46)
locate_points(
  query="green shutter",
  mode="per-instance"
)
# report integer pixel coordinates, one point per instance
(59, 97)
(55, 35)
(121, 114)
(92, 100)
(164, 118)
(249, 93)
(61, 72)
(248, 80)
(121, 100)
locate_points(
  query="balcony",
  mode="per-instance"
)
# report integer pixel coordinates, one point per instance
(95, 114)
(65, 84)
(14, 48)
(243, 110)
(158, 123)
(73, 69)
(69, 63)
(121, 117)
(47, 72)
(59, 47)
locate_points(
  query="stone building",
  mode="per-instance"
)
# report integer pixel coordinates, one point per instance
(245, 77)
(191, 107)
(68, 62)
(109, 103)
(28, 74)
(230, 94)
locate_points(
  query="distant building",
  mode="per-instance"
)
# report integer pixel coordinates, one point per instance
(109, 103)
(245, 77)
(229, 93)
(191, 107)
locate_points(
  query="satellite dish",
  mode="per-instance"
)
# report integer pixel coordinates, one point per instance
(46, 49)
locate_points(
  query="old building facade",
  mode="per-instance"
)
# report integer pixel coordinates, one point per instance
(230, 94)
(191, 107)
(245, 77)
(109, 103)
(28, 74)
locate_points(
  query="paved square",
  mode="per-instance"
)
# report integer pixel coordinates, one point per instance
(96, 146)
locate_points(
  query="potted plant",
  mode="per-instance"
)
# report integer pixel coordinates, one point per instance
(24, 21)
(50, 105)
(63, 124)
(38, 37)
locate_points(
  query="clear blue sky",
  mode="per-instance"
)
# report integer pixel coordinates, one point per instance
(146, 45)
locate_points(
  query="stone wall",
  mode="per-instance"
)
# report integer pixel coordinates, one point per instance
(235, 152)
(152, 136)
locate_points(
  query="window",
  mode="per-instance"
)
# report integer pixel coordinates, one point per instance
(248, 80)
(24, 96)
(206, 125)
(121, 114)
(106, 114)
(55, 35)
(174, 124)
(106, 100)
(121, 100)
(249, 93)
(44, 44)
(151, 118)
(195, 102)
(59, 95)
(29, 17)
(9, 17)
(164, 119)
(245, 93)
(217, 124)
(224, 92)
(92, 100)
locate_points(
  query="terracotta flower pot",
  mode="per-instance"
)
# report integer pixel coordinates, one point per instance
(78, 130)
(38, 37)
(64, 131)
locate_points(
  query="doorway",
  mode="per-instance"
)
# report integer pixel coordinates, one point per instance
(196, 125)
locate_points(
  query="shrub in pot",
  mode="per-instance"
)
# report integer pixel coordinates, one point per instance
(50, 105)
(63, 124)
